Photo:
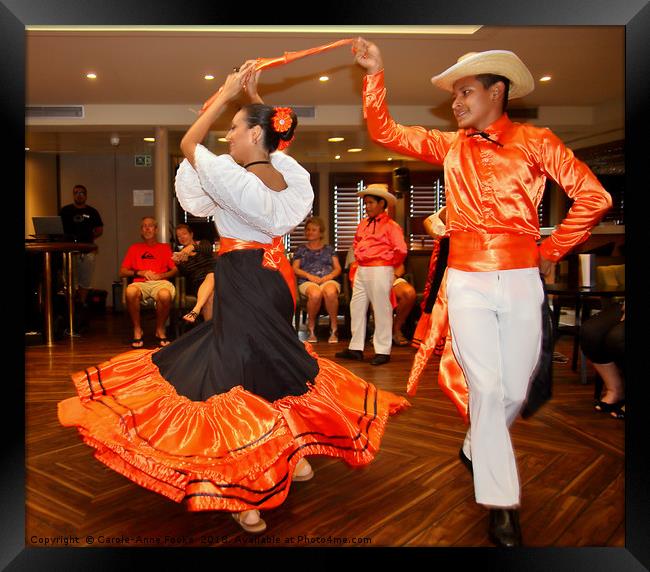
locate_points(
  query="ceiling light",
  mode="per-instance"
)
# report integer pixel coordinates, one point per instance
(389, 159)
(208, 76)
(336, 139)
(354, 150)
(26, 148)
(91, 75)
(337, 156)
(150, 139)
(223, 139)
(545, 78)
(323, 78)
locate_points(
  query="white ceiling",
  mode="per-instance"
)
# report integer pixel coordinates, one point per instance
(166, 68)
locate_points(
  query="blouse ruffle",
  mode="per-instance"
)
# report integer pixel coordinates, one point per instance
(218, 182)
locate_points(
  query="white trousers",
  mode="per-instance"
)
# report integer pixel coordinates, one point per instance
(496, 327)
(372, 285)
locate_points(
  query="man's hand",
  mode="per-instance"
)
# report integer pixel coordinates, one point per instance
(546, 267)
(150, 275)
(367, 55)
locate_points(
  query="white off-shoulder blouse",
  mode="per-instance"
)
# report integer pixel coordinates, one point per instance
(242, 205)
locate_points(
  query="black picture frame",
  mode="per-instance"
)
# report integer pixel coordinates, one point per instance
(634, 15)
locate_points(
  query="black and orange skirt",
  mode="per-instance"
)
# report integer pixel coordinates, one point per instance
(227, 436)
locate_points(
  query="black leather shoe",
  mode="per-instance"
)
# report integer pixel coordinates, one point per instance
(380, 359)
(467, 462)
(350, 354)
(504, 530)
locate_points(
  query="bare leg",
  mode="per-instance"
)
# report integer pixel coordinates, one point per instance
(163, 306)
(314, 301)
(331, 296)
(133, 300)
(203, 300)
(613, 381)
(405, 294)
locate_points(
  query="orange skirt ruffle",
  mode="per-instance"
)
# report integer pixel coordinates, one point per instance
(232, 452)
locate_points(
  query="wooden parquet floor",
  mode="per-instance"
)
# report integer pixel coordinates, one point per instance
(415, 493)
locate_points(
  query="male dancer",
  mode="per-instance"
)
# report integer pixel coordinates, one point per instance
(495, 172)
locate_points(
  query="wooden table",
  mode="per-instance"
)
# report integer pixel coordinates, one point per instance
(66, 249)
(578, 294)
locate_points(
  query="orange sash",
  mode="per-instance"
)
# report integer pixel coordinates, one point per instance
(482, 252)
(273, 258)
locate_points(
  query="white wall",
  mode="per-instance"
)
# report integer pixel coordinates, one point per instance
(110, 180)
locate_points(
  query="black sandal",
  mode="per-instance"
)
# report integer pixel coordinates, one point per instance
(163, 342)
(618, 412)
(193, 315)
(137, 343)
(611, 408)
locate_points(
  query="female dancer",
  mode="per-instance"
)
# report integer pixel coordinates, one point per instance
(224, 415)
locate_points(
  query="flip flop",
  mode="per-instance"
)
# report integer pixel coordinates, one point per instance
(162, 342)
(137, 343)
(256, 528)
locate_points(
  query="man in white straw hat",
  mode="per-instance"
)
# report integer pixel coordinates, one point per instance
(379, 248)
(495, 174)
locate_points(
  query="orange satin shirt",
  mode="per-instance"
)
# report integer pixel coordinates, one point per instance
(379, 242)
(496, 189)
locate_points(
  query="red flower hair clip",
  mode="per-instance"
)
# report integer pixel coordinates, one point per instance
(282, 119)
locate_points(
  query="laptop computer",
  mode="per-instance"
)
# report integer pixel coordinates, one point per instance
(48, 228)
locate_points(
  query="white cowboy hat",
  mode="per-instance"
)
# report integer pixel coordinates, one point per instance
(379, 190)
(498, 62)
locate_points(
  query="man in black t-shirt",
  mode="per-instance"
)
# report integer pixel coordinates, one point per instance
(85, 224)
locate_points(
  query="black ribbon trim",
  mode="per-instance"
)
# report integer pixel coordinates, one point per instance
(485, 136)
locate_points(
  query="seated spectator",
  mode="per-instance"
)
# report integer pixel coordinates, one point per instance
(405, 296)
(602, 339)
(196, 262)
(316, 266)
(150, 264)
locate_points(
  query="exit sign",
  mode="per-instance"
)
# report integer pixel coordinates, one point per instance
(143, 160)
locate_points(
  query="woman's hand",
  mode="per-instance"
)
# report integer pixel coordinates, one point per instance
(367, 55)
(250, 81)
(232, 86)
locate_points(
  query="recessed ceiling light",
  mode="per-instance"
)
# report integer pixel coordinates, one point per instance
(354, 150)
(208, 76)
(337, 156)
(323, 78)
(545, 78)
(91, 75)
(150, 139)
(223, 139)
(336, 139)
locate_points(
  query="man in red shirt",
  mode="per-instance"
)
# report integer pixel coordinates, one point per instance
(150, 265)
(379, 248)
(495, 174)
